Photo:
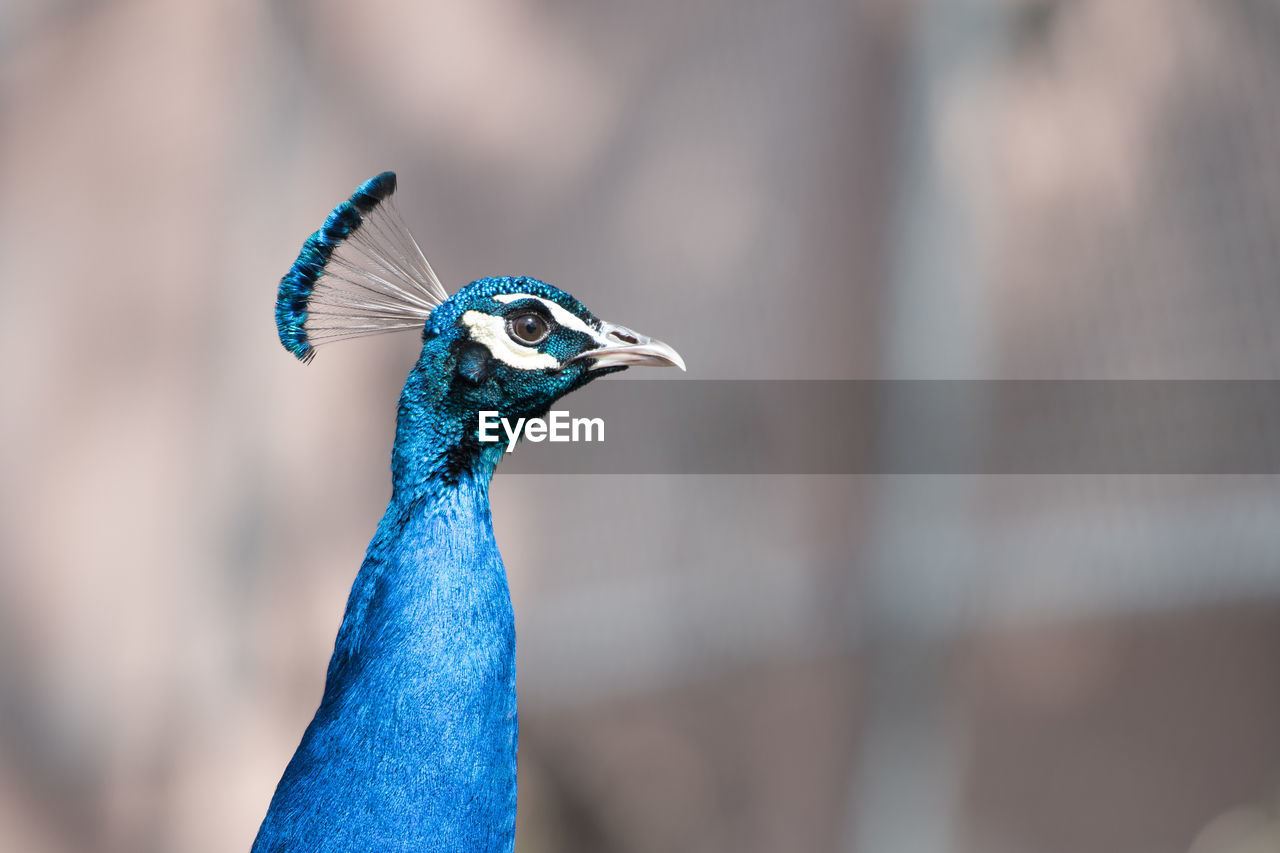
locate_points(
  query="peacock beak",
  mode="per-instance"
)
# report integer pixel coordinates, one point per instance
(621, 346)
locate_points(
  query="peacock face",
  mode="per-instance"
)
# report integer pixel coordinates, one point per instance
(516, 345)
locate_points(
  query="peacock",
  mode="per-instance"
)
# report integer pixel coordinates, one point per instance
(414, 744)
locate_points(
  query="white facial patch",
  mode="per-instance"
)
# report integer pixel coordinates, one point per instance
(492, 332)
(559, 313)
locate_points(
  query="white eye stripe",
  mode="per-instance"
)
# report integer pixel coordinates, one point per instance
(562, 316)
(491, 331)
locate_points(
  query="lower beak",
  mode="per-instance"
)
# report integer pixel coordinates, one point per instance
(622, 346)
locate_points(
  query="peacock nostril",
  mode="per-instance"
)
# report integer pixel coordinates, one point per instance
(622, 336)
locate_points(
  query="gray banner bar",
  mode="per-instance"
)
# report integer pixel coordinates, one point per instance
(917, 427)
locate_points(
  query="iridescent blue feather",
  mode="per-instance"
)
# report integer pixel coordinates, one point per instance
(362, 273)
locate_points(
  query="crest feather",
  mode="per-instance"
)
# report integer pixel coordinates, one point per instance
(361, 274)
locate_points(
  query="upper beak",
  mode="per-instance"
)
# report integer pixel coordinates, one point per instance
(621, 346)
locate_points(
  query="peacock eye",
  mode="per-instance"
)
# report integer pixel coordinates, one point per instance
(528, 328)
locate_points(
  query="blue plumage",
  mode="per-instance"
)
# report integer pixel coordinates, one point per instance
(414, 744)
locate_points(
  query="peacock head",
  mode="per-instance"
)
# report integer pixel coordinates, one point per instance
(507, 345)
(516, 345)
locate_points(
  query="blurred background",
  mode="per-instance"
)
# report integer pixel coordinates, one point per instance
(939, 189)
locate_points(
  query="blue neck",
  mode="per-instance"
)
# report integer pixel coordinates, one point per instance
(436, 444)
(414, 744)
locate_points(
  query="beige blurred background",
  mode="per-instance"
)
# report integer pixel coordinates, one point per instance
(935, 189)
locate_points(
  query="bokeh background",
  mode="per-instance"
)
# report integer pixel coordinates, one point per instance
(939, 189)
